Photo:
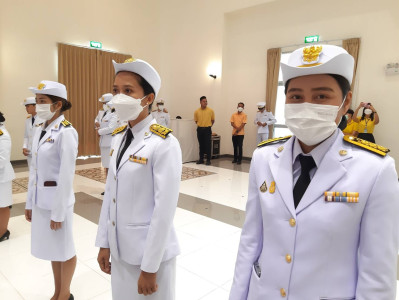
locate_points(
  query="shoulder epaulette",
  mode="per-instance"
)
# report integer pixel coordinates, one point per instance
(380, 150)
(274, 141)
(28, 117)
(1, 132)
(160, 130)
(65, 123)
(119, 130)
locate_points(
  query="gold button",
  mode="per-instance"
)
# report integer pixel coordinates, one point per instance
(288, 258)
(343, 152)
(282, 292)
(114, 200)
(113, 223)
(292, 222)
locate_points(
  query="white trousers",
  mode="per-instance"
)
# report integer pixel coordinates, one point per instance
(124, 278)
(260, 137)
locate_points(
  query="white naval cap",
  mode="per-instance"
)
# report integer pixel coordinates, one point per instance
(106, 98)
(142, 68)
(53, 88)
(261, 104)
(318, 59)
(29, 100)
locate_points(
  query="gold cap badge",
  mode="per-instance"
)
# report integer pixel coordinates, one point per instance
(311, 55)
(129, 60)
(41, 86)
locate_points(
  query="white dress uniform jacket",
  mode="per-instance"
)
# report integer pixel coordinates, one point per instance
(161, 117)
(6, 169)
(320, 250)
(136, 220)
(53, 168)
(30, 133)
(108, 124)
(264, 117)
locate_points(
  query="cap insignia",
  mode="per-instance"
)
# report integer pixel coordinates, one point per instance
(311, 55)
(41, 86)
(130, 60)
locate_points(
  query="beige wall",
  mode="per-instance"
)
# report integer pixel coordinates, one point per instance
(30, 30)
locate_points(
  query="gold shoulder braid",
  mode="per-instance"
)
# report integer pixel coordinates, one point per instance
(65, 123)
(380, 150)
(119, 130)
(160, 130)
(274, 141)
(28, 117)
(1, 132)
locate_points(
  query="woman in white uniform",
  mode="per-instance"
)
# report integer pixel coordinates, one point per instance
(6, 177)
(141, 193)
(106, 124)
(50, 201)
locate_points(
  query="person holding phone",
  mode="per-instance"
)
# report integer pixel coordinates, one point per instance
(367, 121)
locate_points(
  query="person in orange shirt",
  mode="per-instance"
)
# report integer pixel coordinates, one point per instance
(238, 121)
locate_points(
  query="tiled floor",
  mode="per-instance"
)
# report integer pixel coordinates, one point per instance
(208, 219)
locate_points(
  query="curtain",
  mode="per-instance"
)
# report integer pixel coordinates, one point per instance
(87, 74)
(273, 68)
(352, 46)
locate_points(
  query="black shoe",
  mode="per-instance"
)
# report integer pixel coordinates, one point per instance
(199, 162)
(5, 236)
(71, 297)
(102, 194)
(234, 161)
(208, 162)
(239, 162)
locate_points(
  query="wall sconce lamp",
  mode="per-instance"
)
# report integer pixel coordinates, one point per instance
(213, 76)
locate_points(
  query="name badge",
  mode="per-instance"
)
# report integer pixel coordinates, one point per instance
(352, 197)
(138, 159)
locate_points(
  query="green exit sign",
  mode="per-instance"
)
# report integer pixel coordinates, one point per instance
(96, 44)
(312, 39)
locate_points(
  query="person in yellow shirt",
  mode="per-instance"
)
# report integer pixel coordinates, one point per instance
(238, 121)
(352, 126)
(204, 117)
(367, 121)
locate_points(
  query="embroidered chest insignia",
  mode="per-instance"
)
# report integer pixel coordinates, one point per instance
(160, 130)
(119, 130)
(263, 187)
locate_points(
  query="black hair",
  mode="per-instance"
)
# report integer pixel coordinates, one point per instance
(2, 119)
(147, 88)
(66, 105)
(202, 97)
(342, 82)
(364, 115)
(243, 105)
(350, 111)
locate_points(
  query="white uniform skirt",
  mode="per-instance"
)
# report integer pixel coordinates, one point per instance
(124, 278)
(105, 157)
(5, 194)
(48, 244)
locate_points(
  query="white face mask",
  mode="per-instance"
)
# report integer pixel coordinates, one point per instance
(160, 107)
(43, 111)
(368, 111)
(311, 123)
(126, 107)
(240, 109)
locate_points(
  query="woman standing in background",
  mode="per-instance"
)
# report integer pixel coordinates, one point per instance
(50, 201)
(6, 177)
(367, 121)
